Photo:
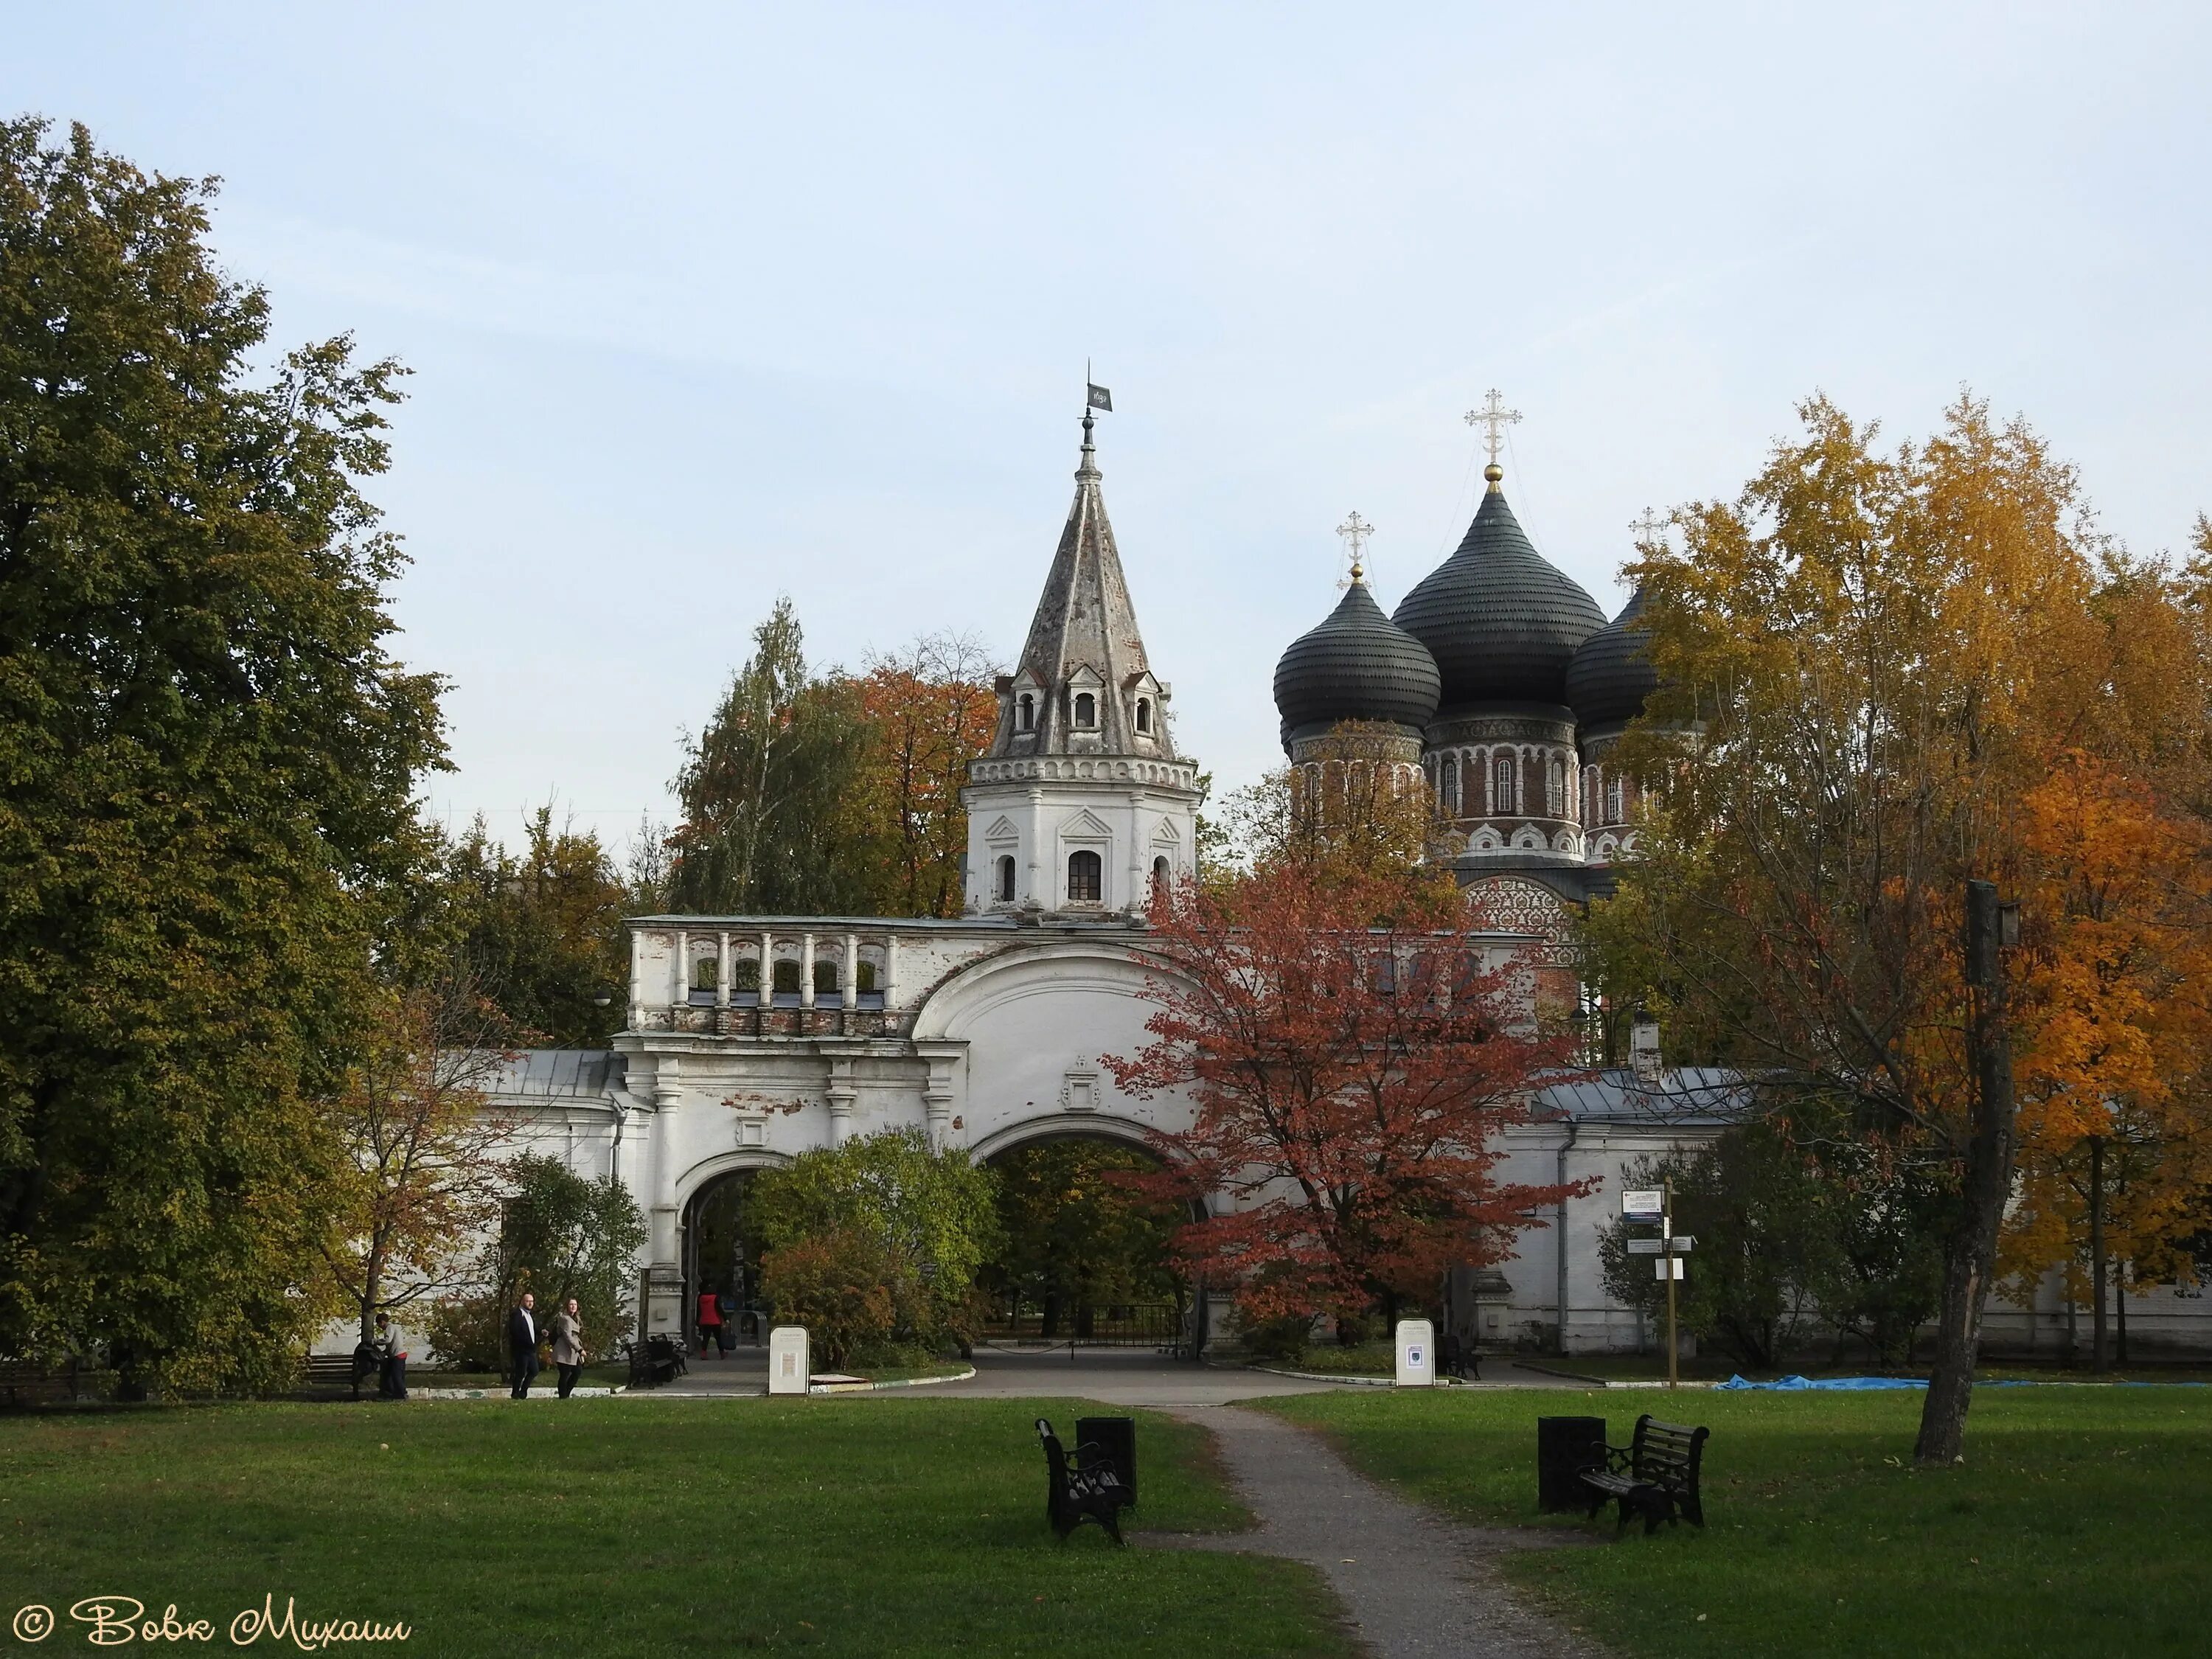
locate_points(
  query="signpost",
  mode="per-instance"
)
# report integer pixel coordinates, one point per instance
(1643, 1207)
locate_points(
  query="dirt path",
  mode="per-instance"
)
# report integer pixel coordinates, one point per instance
(1416, 1586)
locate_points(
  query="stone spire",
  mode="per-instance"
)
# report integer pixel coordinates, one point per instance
(1083, 653)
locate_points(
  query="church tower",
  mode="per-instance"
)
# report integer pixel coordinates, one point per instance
(1082, 804)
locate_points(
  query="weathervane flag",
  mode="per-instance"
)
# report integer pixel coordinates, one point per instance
(1098, 397)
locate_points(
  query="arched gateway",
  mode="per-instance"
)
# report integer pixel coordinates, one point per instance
(983, 1032)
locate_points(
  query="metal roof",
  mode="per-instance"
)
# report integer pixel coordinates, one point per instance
(583, 1072)
(1357, 665)
(1703, 1095)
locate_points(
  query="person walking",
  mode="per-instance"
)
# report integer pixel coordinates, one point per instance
(567, 1345)
(522, 1342)
(710, 1320)
(725, 1334)
(391, 1359)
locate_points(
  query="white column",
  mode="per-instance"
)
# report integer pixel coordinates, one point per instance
(668, 1097)
(682, 975)
(767, 968)
(806, 971)
(891, 972)
(1033, 891)
(840, 1096)
(1134, 899)
(849, 988)
(722, 975)
(636, 976)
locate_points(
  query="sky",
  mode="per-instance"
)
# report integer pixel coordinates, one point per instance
(704, 305)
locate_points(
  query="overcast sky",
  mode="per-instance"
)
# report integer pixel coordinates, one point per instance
(705, 304)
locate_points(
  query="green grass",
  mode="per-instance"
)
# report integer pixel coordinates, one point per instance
(1326, 1359)
(1713, 1368)
(611, 1526)
(2077, 1524)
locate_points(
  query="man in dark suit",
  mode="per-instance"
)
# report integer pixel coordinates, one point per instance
(522, 1339)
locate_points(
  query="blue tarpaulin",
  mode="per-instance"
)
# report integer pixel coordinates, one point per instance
(1792, 1384)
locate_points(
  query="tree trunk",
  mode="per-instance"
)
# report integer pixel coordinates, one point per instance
(2120, 1309)
(1970, 1251)
(2100, 1358)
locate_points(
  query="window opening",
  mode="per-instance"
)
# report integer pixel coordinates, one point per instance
(1086, 877)
(1006, 878)
(1086, 709)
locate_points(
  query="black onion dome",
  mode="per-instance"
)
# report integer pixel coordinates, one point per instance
(1611, 675)
(1357, 665)
(1502, 623)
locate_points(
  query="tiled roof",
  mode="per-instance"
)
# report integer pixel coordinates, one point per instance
(1357, 665)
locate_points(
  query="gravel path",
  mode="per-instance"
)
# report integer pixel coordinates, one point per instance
(1416, 1586)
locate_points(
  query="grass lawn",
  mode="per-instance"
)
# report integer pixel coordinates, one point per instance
(614, 1527)
(2078, 1525)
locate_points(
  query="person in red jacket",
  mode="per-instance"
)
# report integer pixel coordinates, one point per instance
(710, 1321)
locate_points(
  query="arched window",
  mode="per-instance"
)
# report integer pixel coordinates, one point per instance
(1590, 797)
(1086, 709)
(1086, 877)
(1144, 713)
(746, 974)
(825, 979)
(787, 978)
(1161, 875)
(1025, 714)
(703, 969)
(1614, 804)
(1557, 807)
(1501, 787)
(864, 978)
(1449, 790)
(1006, 888)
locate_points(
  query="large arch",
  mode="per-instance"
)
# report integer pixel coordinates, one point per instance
(1030, 1025)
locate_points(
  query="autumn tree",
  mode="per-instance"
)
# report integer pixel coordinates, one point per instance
(210, 758)
(929, 710)
(1079, 1231)
(1882, 656)
(1352, 803)
(1351, 1052)
(421, 1141)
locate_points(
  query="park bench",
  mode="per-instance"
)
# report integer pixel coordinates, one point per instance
(1079, 1487)
(654, 1361)
(341, 1370)
(1654, 1476)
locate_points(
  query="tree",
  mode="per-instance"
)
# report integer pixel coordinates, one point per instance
(561, 1235)
(210, 758)
(1867, 663)
(420, 1138)
(851, 1291)
(931, 1213)
(1077, 1231)
(929, 711)
(1350, 804)
(1352, 1056)
(765, 789)
(542, 930)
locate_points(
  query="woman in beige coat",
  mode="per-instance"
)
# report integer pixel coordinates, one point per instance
(567, 1333)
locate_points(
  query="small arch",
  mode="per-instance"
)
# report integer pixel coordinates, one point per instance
(1161, 875)
(1502, 790)
(1025, 713)
(703, 972)
(786, 983)
(1144, 713)
(1086, 710)
(864, 978)
(1448, 789)
(745, 974)
(1005, 881)
(1557, 804)
(825, 978)
(1087, 874)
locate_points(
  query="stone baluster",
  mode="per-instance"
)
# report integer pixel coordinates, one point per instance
(806, 971)
(850, 988)
(766, 991)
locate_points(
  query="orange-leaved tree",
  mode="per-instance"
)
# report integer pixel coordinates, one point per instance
(2115, 1027)
(1352, 1050)
(929, 711)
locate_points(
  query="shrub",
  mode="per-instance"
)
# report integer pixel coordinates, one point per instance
(852, 1294)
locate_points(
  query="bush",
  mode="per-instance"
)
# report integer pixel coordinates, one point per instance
(853, 1295)
(469, 1332)
(1284, 1338)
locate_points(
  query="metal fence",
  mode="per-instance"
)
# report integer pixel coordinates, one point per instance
(1108, 1325)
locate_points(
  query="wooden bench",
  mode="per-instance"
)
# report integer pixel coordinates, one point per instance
(1079, 1489)
(656, 1360)
(341, 1370)
(1656, 1476)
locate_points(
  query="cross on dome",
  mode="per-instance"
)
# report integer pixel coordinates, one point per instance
(1650, 528)
(1355, 531)
(1494, 415)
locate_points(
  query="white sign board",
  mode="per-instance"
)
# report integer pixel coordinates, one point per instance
(1417, 1354)
(1659, 1267)
(787, 1359)
(1643, 1206)
(1678, 1245)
